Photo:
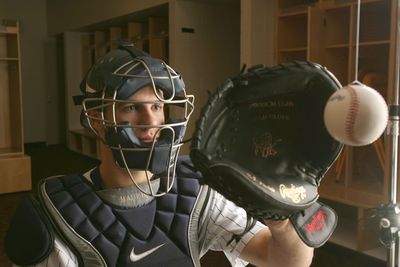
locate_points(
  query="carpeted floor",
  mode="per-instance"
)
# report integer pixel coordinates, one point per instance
(54, 160)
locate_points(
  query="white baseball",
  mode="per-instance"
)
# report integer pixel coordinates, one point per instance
(356, 115)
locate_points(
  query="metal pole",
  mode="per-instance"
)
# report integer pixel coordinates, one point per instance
(393, 130)
(393, 124)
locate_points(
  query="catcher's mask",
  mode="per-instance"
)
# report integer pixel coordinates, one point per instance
(109, 87)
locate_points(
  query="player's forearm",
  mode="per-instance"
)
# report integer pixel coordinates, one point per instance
(278, 245)
(286, 248)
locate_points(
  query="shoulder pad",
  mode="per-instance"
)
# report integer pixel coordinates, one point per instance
(29, 239)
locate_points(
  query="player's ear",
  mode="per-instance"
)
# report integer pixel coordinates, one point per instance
(94, 120)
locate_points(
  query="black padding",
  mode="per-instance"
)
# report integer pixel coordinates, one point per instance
(29, 239)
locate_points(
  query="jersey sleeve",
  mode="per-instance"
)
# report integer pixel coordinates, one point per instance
(220, 222)
(60, 256)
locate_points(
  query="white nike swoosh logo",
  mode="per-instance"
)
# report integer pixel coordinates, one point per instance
(137, 257)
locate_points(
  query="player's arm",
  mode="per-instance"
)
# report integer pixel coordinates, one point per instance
(31, 241)
(277, 245)
(60, 256)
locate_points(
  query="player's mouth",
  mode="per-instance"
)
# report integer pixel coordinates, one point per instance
(148, 139)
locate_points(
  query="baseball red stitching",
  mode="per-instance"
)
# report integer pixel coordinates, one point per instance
(352, 115)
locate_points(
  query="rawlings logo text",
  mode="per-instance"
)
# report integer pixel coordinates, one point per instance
(317, 222)
(296, 194)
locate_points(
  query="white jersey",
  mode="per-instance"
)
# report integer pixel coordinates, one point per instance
(220, 220)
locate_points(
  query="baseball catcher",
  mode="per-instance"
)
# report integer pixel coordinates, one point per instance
(258, 142)
(261, 142)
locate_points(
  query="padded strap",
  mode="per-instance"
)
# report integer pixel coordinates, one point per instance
(29, 239)
(315, 224)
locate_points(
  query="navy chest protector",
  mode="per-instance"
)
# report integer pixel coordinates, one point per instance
(156, 234)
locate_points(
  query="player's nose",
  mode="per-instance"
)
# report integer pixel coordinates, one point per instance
(148, 117)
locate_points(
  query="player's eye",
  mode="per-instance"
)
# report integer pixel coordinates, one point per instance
(158, 107)
(129, 108)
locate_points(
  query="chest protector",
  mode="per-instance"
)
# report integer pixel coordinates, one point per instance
(160, 233)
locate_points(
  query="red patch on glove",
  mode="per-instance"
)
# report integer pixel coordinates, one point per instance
(317, 222)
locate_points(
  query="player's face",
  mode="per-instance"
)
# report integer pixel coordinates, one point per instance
(150, 112)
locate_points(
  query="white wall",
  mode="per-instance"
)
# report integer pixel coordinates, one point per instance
(73, 77)
(210, 55)
(258, 32)
(69, 15)
(55, 90)
(32, 18)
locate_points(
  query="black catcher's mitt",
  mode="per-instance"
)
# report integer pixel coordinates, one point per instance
(262, 143)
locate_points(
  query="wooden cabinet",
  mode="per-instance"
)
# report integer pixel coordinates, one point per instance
(15, 170)
(325, 32)
(84, 141)
(293, 44)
